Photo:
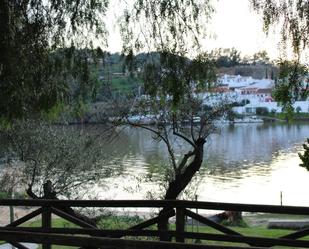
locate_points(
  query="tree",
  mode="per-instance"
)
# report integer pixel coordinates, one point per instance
(186, 128)
(291, 16)
(289, 85)
(305, 157)
(51, 161)
(33, 75)
(68, 157)
(294, 20)
(174, 104)
(228, 57)
(260, 58)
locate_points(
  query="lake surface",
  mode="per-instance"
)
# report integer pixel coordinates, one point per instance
(245, 163)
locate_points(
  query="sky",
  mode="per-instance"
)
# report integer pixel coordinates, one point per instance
(233, 25)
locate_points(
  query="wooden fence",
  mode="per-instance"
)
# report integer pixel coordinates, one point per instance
(90, 236)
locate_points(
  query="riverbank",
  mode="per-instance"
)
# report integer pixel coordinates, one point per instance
(282, 117)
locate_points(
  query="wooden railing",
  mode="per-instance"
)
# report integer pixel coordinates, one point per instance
(89, 235)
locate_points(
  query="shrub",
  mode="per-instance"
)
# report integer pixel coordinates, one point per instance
(262, 111)
(298, 109)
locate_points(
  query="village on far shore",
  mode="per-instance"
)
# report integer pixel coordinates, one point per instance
(254, 94)
(251, 99)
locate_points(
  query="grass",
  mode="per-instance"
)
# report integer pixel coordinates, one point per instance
(124, 222)
(296, 116)
(251, 230)
(124, 84)
(56, 222)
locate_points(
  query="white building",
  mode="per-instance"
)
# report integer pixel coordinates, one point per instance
(256, 92)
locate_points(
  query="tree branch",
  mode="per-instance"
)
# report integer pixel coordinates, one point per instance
(184, 138)
(184, 161)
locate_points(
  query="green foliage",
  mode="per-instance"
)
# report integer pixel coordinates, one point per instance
(301, 116)
(260, 58)
(289, 112)
(67, 156)
(244, 102)
(178, 76)
(4, 195)
(289, 85)
(305, 157)
(228, 57)
(40, 65)
(118, 222)
(34, 73)
(56, 222)
(262, 111)
(240, 223)
(168, 25)
(174, 30)
(7, 195)
(293, 18)
(298, 109)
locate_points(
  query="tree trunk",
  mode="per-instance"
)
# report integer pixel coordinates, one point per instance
(180, 182)
(234, 217)
(50, 194)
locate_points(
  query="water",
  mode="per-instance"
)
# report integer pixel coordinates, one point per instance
(245, 163)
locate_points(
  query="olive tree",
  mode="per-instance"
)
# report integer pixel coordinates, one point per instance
(183, 122)
(69, 158)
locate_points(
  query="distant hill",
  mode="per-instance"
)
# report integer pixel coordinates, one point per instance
(115, 78)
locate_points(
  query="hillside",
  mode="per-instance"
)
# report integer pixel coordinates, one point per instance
(115, 78)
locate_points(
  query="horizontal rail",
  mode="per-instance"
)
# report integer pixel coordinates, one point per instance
(69, 240)
(262, 241)
(159, 204)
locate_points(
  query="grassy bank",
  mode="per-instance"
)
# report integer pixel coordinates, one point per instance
(301, 116)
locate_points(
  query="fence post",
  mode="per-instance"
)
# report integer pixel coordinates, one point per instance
(180, 224)
(46, 223)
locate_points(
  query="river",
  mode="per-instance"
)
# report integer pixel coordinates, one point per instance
(245, 163)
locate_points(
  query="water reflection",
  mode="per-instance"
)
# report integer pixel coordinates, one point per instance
(244, 163)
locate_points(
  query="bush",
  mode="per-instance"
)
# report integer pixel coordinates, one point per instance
(245, 102)
(262, 111)
(305, 157)
(7, 195)
(298, 109)
(118, 222)
(4, 195)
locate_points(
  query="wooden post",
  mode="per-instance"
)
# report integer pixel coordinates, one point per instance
(12, 208)
(180, 224)
(197, 223)
(46, 223)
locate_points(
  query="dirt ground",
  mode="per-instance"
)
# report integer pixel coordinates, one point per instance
(18, 213)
